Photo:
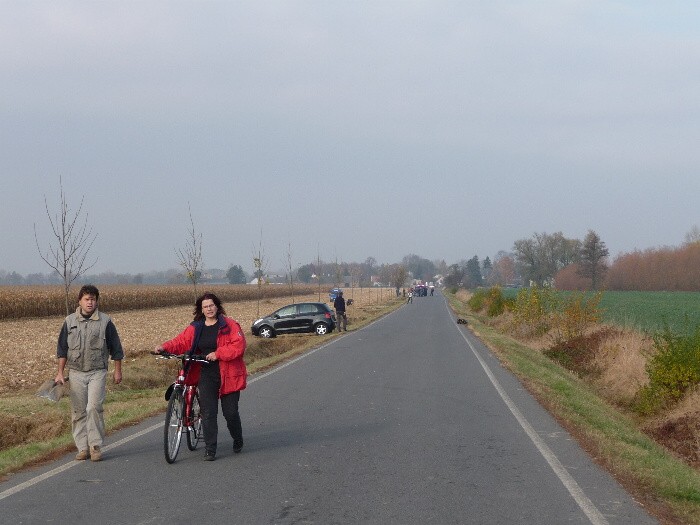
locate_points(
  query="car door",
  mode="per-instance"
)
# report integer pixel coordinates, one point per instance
(307, 316)
(286, 318)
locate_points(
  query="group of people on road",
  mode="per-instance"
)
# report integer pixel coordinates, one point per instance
(421, 291)
(89, 338)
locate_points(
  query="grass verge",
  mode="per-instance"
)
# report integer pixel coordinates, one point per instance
(666, 486)
(39, 430)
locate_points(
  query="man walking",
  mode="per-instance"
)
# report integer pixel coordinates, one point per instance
(341, 318)
(87, 340)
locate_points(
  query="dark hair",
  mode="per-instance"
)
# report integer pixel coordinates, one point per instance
(198, 314)
(89, 289)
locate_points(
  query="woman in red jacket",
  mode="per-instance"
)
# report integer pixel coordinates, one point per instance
(220, 339)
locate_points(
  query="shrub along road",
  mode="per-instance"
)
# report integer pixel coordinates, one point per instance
(408, 420)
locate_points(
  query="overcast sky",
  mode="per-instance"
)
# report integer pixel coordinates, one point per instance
(347, 129)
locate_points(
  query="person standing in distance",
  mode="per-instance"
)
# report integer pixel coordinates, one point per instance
(339, 305)
(220, 340)
(86, 342)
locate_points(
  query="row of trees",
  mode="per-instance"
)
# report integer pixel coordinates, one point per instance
(68, 256)
(536, 260)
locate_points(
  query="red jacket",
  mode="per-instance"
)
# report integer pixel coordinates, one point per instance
(230, 347)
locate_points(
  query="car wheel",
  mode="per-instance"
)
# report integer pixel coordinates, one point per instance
(321, 328)
(266, 332)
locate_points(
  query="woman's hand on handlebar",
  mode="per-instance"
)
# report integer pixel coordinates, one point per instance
(158, 350)
(211, 356)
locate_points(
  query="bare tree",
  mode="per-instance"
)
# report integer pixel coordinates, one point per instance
(338, 272)
(693, 235)
(355, 275)
(260, 265)
(319, 272)
(73, 243)
(190, 257)
(399, 274)
(290, 270)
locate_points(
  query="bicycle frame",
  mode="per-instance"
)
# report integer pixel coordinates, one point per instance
(183, 412)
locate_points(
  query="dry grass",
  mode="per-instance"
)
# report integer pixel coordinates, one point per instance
(621, 360)
(28, 346)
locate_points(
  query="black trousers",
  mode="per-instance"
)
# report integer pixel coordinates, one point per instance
(209, 384)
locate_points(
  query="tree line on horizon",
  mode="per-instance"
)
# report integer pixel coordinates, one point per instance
(571, 264)
(544, 259)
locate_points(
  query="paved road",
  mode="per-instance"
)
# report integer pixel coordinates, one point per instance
(409, 420)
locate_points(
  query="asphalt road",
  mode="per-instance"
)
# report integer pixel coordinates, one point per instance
(408, 420)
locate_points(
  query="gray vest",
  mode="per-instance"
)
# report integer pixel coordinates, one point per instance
(87, 341)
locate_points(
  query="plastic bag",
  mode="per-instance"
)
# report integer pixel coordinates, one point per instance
(52, 391)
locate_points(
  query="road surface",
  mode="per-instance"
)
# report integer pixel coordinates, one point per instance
(408, 420)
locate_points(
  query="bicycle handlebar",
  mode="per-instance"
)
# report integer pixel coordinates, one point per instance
(184, 357)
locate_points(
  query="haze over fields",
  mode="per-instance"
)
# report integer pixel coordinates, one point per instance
(347, 130)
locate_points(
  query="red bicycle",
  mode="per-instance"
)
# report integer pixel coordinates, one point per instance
(184, 412)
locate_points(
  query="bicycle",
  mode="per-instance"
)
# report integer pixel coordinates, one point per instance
(184, 413)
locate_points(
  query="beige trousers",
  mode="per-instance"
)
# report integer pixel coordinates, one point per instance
(87, 395)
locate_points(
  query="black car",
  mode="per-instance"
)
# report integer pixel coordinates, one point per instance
(301, 317)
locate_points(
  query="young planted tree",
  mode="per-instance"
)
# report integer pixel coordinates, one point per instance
(74, 239)
(290, 270)
(190, 257)
(338, 272)
(260, 266)
(693, 235)
(319, 272)
(355, 279)
(593, 259)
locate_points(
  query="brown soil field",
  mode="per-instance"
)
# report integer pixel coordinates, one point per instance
(28, 345)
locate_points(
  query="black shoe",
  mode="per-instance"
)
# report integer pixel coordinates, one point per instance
(209, 456)
(237, 446)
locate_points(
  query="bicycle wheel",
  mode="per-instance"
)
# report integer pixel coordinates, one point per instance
(194, 431)
(172, 433)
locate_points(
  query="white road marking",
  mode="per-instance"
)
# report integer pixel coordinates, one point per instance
(584, 503)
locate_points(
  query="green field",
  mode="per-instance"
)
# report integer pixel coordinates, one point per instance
(648, 311)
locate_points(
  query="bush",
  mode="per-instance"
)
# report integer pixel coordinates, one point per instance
(532, 310)
(673, 369)
(491, 300)
(495, 302)
(575, 313)
(477, 300)
(563, 316)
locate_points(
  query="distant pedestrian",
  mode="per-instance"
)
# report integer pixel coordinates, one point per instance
(410, 296)
(341, 318)
(86, 342)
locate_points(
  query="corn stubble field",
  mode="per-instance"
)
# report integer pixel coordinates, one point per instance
(145, 316)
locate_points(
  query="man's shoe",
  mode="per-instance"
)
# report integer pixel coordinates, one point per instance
(237, 446)
(209, 456)
(95, 453)
(82, 455)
